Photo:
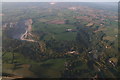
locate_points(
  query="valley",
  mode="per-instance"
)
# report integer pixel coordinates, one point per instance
(60, 40)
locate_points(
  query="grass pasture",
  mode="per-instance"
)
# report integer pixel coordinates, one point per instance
(51, 68)
(55, 31)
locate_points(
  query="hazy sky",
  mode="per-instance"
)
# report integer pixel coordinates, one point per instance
(59, 0)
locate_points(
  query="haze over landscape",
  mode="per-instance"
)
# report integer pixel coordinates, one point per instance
(61, 1)
(60, 40)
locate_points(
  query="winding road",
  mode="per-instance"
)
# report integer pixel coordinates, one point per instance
(27, 33)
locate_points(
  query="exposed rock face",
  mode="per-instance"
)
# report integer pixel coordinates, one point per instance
(27, 35)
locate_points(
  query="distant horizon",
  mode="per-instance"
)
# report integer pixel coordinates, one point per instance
(60, 1)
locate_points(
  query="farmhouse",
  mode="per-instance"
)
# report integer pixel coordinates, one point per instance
(71, 30)
(72, 52)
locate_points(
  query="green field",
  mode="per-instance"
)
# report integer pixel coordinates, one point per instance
(51, 68)
(55, 31)
(26, 67)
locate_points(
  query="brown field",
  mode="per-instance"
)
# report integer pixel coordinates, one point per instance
(21, 71)
(108, 38)
(100, 29)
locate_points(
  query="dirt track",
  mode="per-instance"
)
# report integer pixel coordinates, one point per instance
(24, 36)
